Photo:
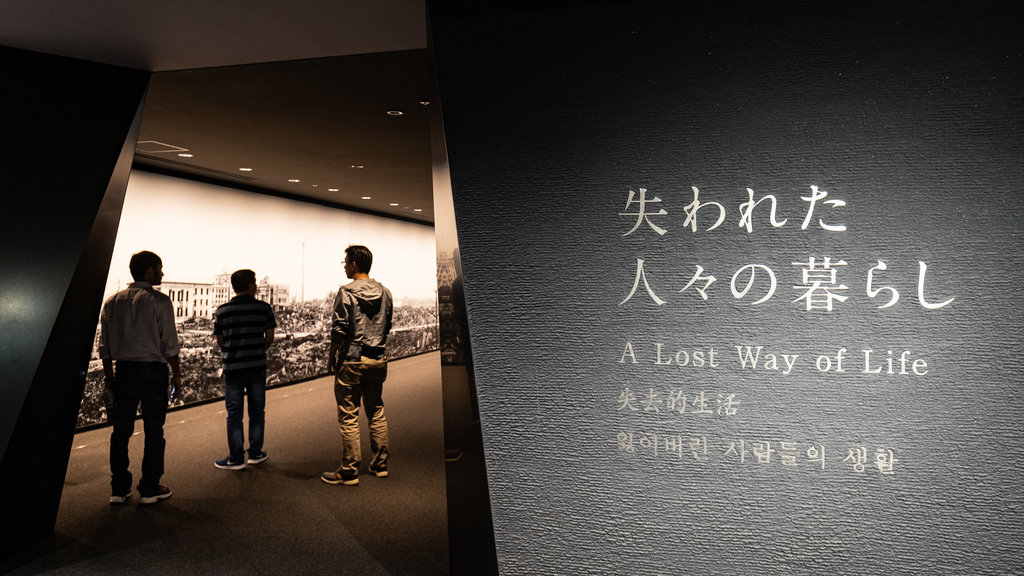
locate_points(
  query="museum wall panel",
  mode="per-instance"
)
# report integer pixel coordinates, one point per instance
(70, 129)
(743, 282)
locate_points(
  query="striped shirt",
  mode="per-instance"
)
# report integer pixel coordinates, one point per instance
(242, 323)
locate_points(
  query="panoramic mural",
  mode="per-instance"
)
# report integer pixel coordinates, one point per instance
(205, 232)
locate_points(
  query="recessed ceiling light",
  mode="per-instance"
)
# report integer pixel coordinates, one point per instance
(294, 180)
(395, 112)
(356, 166)
(424, 102)
(185, 155)
(332, 189)
(367, 197)
(417, 209)
(393, 204)
(245, 169)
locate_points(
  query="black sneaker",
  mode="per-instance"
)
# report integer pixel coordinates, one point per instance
(120, 498)
(262, 457)
(154, 495)
(229, 464)
(379, 472)
(336, 478)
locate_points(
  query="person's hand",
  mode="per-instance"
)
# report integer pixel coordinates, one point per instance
(175, 386)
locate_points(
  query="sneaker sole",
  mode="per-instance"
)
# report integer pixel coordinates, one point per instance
(118, 499)
(380, 473)
(229, 466)
(145, 500)
(257, 460)
(343, 482)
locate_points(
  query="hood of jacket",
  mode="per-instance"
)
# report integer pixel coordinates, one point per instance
(367, 291)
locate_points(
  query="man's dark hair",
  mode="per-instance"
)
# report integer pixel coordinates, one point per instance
(242, 279)
(142, 261)
(360, 256)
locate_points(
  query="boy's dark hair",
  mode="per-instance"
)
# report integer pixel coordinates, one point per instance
(242, 279)
(360, 256)
(142, 261)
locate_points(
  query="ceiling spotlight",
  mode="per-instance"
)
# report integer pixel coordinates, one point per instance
(424, 102)
(395, 112)
(417, 210)
(332, 189)
(356, 166)
(294, 180)
(367, 197)
(393, 204)
(185, 155)
(245, 169)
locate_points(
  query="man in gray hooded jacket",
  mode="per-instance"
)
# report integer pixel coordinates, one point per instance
(359, 332)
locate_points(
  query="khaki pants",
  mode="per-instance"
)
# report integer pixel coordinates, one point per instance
(361, 381)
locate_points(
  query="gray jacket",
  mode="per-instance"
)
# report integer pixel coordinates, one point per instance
(362, 315)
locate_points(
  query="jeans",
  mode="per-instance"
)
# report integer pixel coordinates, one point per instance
(240, 384)
(135, 384)
(355, 381)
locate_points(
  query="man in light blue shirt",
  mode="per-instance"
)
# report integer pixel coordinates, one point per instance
(138, 341)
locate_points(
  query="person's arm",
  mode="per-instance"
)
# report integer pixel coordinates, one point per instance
(268, 333)
(339, 329)
(168, 332)
(169, 343)
(175, 363)
(332, 353)
(175, 372)
(108, 371)
(389, 308)
(104, 350)
(218, 334)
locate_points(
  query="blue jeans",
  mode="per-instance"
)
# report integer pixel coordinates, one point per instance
(240, 384)
(355, 381)
(135, 384)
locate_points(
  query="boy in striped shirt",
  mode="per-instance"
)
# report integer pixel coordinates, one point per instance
(244, 328)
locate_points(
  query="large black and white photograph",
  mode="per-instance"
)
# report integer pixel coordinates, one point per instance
(204, 232)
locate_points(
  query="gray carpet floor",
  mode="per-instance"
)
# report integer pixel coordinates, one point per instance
(273, 518)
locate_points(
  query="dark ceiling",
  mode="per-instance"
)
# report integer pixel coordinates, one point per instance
(308, 91)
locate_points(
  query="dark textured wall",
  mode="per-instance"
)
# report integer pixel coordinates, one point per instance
(70, 129)
(470, 526)
(911, 116)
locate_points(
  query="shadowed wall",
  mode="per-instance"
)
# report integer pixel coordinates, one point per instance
(665, 390)
(71, 128)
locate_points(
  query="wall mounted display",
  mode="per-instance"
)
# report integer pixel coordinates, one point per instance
(744, 283)
(205, 232)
